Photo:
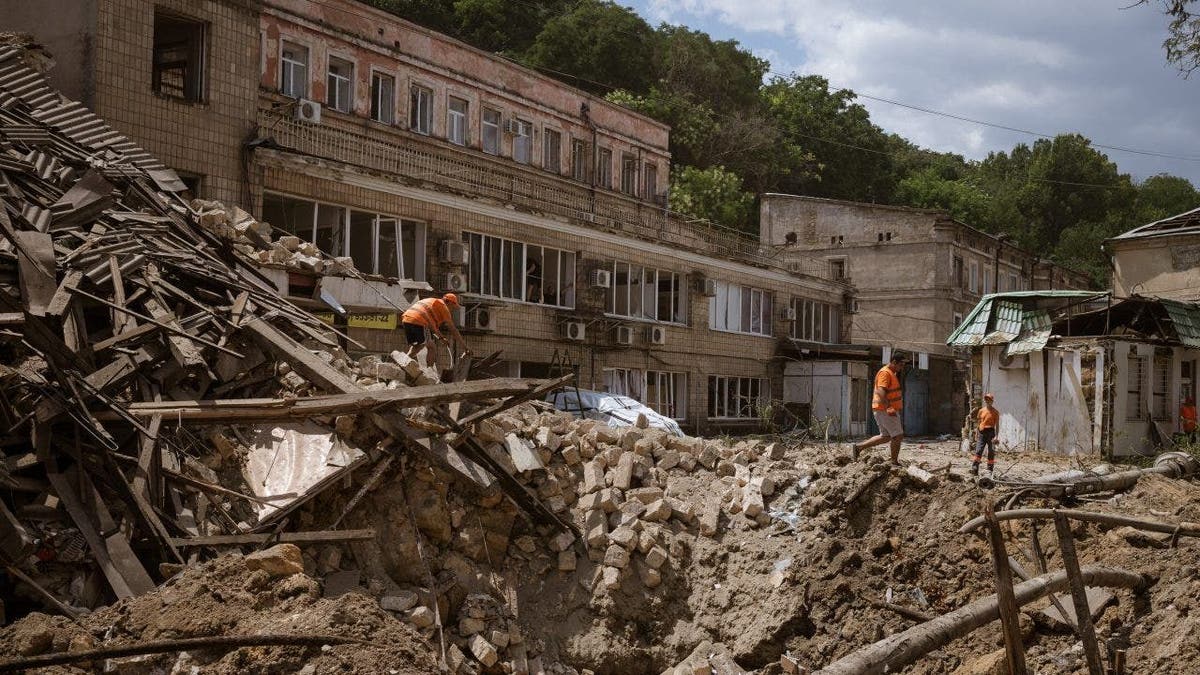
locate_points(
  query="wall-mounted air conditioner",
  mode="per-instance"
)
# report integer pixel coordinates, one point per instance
(600, 278)
(623, 335)
(455, 282)
(575, 330)
(512, 126)
(789, 313)
(453, 252)
(710, 288)
(852, 305)
(656, 335)
(308, 111)
(482, 318)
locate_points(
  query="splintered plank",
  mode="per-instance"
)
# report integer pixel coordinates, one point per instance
(436, 449)
(305, 362)
(300, 538)
(182, 348)
(35, 264)
(63, 296)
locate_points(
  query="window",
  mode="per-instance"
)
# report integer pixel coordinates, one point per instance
(383, 98)
(740, 309)
(491, 131)
(552, 151)
(837, 268)
(579, 160)
(178, 68)
(456, 120)
(604, 168)
(503, 268)
(293, 70)
(1135, 400)
(629, 174)
(339, 87)
(817, 321)
(625, 382)
(645, 293)
(958, 319)
(957, 270)
(378, 244)
(974, 279)
(1012, 282)
(420, 109)
(666, 393)
(650, 181)
(735, 397)
(1161, 386)
(523, 142)
(987, 283)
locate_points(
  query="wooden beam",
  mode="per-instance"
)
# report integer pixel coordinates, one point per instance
(1010, 613)
(36, 268)
(315, 537)
(305, 362)
(545, 387)
(1083, 612)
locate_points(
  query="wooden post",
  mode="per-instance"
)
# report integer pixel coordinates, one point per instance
(1083, 613)
(1010, 613)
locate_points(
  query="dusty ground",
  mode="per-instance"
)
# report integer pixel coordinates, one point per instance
(798, 580)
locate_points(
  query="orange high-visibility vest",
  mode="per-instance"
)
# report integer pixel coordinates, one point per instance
(886, 380)
(430, 313)
(1188, 413)
(988, 418)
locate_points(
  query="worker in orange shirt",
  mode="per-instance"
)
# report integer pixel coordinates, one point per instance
(989, 427)
(1187, 418)
(886, 404)
(427, 318)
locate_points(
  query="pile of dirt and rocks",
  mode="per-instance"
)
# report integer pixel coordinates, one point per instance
(748, 555)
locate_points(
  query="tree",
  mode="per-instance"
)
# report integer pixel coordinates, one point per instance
(435, 14)
(1164, 195)
(932, 190)
(503, 26)
(713, 194)
(599, 44)
(1183, 34)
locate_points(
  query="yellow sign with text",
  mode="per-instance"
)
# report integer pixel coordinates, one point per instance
(376, 321)
(327, 317)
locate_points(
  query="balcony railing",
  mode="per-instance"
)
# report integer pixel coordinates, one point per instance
(415, 159)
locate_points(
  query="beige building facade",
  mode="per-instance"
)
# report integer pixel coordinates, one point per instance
(1159, 259)
(916, 273)
(424, 159)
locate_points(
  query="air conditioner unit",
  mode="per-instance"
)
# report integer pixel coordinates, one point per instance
(455, 282)
(453, 252)
(600, 279)
(1013, 362)
(623, 335)
(575, 330)
(852, 305)
(710, 288)
(482, 318)
(308, 111)
(656, 335)
(789, 313)
(512, 127)
(588, 216)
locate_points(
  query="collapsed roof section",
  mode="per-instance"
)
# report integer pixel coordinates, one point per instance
(1187, 222)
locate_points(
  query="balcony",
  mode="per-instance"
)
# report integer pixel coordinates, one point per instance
(420, 160)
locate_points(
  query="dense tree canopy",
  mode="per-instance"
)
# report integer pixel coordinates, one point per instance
(734, 136)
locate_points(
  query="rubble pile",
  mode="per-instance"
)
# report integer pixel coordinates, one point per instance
(254, 239)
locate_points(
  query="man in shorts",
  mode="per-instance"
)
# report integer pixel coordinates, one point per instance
(887, 403)
(429, 317)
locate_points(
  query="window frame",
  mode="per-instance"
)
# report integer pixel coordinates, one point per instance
(288, 66)
(552, 157)
(580, 159)
(629, 179)
(604, 172)
(420, 117)
(676, 407)
(720, 397)
(816, 321)
(524, 130)
(376, 108)
(488, 250)
(1135, 387)
(458, 121)
(765, 302)
(347, 80)
(678, 294)
(195, 74)
(495, 129)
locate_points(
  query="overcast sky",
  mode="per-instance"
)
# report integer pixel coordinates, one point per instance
(1053, 67)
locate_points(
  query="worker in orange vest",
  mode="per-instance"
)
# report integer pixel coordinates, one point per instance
(887, 404)
(1187, 418)
(989, 427)
(427, 318)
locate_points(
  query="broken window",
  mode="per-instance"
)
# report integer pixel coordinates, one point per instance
(645, 293)
(420, 109)
(735, 397)
(293, 70)
(740, 309)
(579, 159)
(552, 151)
(178, 65)
(1187, 380)
(383, 98)
(817, 321)
(339, 85)
(456, 120)
(1135, 389)
(330, 236)
(523, 141)
(625, 382)
(629, 174)
(503, 268)
(604, 161)
(666, 393)
(491, 131)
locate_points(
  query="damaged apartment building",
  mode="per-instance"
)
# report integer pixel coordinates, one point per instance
(916, 273)
(434, 167)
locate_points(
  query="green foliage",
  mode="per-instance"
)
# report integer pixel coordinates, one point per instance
(1183, 34)
(503, 26)
(602, 45)
(931, 189)
(711, 194)
(1161, 196)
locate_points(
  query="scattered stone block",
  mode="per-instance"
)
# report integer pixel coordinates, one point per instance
(670, 459)
(548, 439)
(1097, 599)
(524, 457)
(455, 659)
(623, 474)
(741, 473)
(642, 422)
(646, 541)
(421, 617)
(484, 651)
(725, 468)
(687, 462)
(656, 557)
(610, 499)
(629, 437)
(624, 537)
(646, 447)
(775, 451)
(611, 578)
(708, 457)
(920, 476)
(710, 517)
(562, 541)
(645, 495)
(683, 510)
(593, 476)
(469, 626)
(651, 577)
(281, 560)
(401, 601)
(616, 556)
(566, 562)
(657, 512)
(571, 456)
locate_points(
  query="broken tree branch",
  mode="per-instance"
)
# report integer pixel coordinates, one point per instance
(1183, 529)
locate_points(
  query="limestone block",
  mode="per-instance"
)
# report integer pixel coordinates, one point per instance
(281, 560)
(645, 495)
(548, 439)
(566, 563)
(484, 651)
(571, 456)
(645, 447)
(611, 577)
(629, 437)
(616, 556)
(470, 626)
(775, 451)
(421, 617)
(656, 557)
(657, 512)
(610, 499)
(670, 459)
(562, 541)
(624, 536)
(623, 475)
(710, 517)
(524, 457)
(401, 601)
(593, 477)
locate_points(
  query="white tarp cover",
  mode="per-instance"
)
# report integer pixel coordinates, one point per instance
(293, 459)
(612, 409)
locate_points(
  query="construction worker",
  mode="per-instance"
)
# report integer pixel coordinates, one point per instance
(427, 318)
(1187, 419)
(989, 427)
(887, 404)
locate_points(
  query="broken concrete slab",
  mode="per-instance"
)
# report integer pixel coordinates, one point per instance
(523, 455)
(1097, 598)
